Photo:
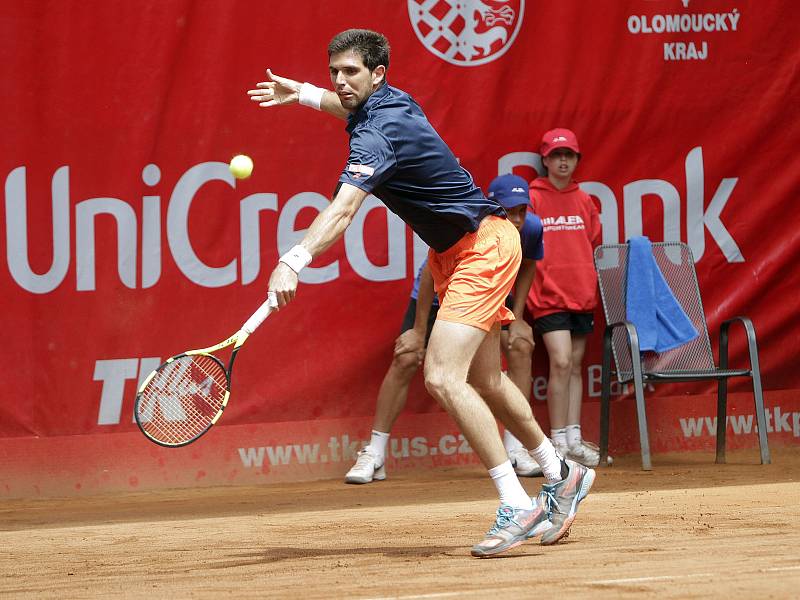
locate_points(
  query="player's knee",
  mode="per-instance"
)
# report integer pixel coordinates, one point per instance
(434, 382)
(438, 383)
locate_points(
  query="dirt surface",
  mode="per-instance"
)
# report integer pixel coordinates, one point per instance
(689, 528)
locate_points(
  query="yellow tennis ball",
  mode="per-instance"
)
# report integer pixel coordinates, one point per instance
(241, 166)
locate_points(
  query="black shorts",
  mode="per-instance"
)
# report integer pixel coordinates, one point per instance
(576, 322)
(411, 315)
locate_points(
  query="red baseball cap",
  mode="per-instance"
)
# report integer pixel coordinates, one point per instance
(558, 138)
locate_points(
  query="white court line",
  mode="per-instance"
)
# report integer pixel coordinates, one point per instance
(415, 596)
(670, 577)
(646, 579)
(463, 593)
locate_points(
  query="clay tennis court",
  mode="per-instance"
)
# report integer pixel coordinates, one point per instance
(689, 528)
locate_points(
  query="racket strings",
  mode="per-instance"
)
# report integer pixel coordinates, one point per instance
(182, 399)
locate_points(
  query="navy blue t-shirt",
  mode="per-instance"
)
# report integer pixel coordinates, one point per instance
(417, 281)
(532, 237)
(532, 240)
(396, 155)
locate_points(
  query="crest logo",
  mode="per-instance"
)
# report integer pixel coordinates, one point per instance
(466, 33)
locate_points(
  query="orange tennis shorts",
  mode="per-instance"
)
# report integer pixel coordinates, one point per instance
(475, 275)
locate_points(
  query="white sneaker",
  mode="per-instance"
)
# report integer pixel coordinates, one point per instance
(587, 453)
(366, 468)
(595, 448)
(523, 463)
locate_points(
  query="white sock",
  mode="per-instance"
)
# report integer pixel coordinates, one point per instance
(545, 455)
(559, 436)
(573, 435)
(377, 443)
(508, 486)
(510, 442)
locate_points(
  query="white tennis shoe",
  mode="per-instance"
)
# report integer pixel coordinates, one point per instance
(366, 468)
(523, 463)
(585, 453)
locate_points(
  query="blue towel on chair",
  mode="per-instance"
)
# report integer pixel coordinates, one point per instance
(660, 320)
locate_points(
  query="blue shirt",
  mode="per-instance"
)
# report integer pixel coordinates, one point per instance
(415, 288)
(532, 240)
(532, 237)
(396, 155)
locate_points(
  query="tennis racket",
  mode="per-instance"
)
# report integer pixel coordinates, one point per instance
(185, 396)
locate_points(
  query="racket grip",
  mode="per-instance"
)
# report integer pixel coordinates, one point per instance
(262, 313)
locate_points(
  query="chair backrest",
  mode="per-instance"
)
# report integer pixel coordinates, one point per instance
(677, 264)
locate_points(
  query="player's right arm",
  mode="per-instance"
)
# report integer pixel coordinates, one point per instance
(328, 227)
(282, 90)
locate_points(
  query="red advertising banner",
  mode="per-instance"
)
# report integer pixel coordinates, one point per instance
(250, 454)
(128, 240)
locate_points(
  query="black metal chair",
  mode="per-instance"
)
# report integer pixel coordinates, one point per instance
(692, 361)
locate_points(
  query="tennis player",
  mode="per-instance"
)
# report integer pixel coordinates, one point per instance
(475, 254)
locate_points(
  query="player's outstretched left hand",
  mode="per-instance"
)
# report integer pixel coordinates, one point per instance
(275, 92)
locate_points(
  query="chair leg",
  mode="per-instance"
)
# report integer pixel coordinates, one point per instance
(644, 439)
(605, 398)
(722, 418)
(762, 420)
(605, 410)
(638, 386)
(755, 374)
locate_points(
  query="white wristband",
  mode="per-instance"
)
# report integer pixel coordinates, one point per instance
(311, 95)
(296, 259)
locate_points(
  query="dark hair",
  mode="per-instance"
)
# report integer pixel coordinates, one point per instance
(372, 46)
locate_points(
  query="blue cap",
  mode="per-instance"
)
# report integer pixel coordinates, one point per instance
(509, 190)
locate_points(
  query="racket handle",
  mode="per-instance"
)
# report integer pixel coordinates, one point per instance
(262, 313)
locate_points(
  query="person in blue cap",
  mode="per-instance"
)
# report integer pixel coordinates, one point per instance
(517, 337)
(511, 191)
